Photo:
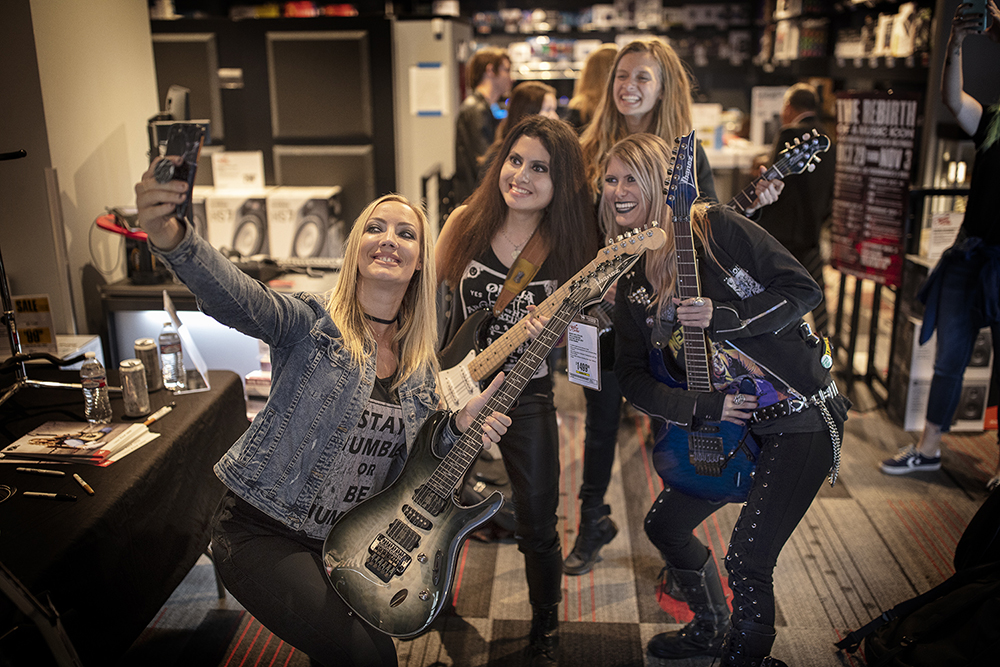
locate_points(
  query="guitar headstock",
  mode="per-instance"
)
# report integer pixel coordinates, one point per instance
(681, 186)
(615, 259)
(802, 155)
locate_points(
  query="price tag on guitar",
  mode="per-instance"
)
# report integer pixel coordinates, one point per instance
(583, 352)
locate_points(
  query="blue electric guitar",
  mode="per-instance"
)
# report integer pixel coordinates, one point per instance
(711, 460)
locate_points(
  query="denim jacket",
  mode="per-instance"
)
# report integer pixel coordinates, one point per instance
(317, 392)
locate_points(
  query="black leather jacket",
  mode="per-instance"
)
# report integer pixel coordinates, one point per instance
(759, 296)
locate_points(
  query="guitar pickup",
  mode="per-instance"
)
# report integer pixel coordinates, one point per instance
(425, 497)
(403, 535)
(416, 518)
(386, 559)
(706, 454)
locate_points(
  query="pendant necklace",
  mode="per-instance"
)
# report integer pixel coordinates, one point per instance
(517, 248)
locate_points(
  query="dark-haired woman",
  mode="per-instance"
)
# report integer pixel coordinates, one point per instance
(537, 188)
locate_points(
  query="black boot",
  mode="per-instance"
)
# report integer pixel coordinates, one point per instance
(596, 530)
(704, 634)
(748, 645)
(543, 641)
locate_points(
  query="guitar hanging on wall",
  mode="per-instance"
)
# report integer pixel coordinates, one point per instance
(392, 557)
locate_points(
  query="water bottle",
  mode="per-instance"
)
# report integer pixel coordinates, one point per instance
(171, 358)
(94, 379)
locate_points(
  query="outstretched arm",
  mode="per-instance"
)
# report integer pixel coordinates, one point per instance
(967, 110)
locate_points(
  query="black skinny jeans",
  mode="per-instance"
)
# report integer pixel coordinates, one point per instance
(791, 468)
(604, 413)
(530, 451)
(278, 576)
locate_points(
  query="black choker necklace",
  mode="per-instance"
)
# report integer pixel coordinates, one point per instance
(380, 320)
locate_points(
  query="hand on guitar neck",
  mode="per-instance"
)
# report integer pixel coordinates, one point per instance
(767, 192)
(697, 312)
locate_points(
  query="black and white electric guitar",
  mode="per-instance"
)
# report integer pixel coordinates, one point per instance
(392, 557)
(466, 361)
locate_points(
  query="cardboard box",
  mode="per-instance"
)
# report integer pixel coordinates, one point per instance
(237, 221)
(305, 222)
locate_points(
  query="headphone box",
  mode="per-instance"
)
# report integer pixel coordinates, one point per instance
(237, 220)
(305, 222)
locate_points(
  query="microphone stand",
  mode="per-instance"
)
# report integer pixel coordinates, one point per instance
(18, 357)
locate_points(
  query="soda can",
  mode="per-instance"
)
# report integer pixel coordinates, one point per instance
(148, 352)
(134, 392)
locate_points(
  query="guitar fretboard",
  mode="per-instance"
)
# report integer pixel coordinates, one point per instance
(458, 461)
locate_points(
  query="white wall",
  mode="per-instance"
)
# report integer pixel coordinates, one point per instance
(83, 97)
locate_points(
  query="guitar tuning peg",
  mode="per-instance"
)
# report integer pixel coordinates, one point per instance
(619, 239)
(787, 145)
(797, 142)
(610, 241)
(807, 136)
(811, 168)
(677, 140)
(817, 159)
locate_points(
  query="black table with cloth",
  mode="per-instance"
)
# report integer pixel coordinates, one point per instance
(109, 561)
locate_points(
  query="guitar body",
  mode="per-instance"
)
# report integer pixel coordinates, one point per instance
(672, 451)
(403, 597)
(672, 460)
(455, 381)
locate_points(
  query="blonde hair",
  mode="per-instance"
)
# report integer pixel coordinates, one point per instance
(590, 86)
(671, 116)
(417, 326)
(648, 157)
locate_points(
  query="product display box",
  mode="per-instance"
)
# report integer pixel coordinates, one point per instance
(237, 220)
(305, 222)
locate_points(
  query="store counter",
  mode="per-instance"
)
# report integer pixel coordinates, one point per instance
(109, 561)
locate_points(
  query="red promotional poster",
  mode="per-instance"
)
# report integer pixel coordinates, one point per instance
(876, 156)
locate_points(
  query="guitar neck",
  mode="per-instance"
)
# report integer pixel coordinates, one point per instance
(747, 195)
(460, 458)
(494, 356)
(696, 350)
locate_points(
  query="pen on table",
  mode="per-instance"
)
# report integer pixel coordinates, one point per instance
(51, 496)
(41, 471)
(86, 487)
(159, 414)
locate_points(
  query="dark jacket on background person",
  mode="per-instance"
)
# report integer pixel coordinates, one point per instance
(474, 132)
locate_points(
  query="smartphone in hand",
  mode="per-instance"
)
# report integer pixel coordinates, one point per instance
(185, 140)
(978, 7)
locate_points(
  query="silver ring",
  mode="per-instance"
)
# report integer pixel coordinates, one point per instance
(738, 399)
(699, 301)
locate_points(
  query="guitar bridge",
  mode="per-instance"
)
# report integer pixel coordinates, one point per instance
(386, 559)
(706, 454)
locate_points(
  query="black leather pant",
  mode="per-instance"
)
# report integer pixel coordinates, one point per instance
(530, 451)
(790, 471)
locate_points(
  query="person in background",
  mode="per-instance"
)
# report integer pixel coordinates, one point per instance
(806, 201)
(753, 295)
(966, 273)
(488, 76)
(589, 88)
(648, 90)
(528, 98)
(369, 350)
(538, 187)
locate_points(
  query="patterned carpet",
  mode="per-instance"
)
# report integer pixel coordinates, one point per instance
(866, 544)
